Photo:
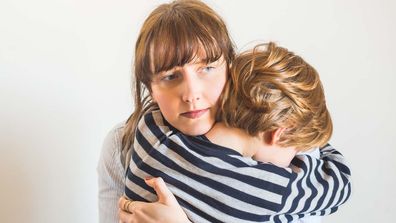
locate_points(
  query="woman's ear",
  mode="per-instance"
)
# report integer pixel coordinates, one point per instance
(275, 135)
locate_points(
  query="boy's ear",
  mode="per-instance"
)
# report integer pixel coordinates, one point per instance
(275, 135)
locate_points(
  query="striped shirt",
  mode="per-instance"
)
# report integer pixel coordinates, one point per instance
(217, 184)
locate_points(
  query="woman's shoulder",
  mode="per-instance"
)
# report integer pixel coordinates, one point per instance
(111, 171)
(114, 136)
(111, 147)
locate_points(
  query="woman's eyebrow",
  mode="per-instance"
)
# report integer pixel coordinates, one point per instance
(205, 62)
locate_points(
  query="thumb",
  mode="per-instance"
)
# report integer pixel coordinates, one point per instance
(164, 195)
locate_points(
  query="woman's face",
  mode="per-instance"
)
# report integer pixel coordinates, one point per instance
(187, 96)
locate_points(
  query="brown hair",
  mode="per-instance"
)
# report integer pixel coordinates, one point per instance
(271, 88)
(172, 35)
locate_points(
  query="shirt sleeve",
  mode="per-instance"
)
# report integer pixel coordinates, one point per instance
(318, 186)
(111, 176)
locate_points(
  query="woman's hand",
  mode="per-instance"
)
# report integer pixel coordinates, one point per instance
(166, 209)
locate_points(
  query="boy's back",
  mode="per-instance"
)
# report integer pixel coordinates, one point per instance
(213, 183)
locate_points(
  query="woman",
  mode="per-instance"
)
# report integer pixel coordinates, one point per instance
(199, 65)
(202, 40)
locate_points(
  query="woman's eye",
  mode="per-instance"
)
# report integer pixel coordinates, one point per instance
(169, 77)
(208, 69)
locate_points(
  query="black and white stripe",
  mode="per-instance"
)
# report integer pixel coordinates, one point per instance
(216, 184)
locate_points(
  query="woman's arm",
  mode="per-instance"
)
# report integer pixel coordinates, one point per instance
(111, 176)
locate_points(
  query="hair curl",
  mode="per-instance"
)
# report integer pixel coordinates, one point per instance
(273, 88)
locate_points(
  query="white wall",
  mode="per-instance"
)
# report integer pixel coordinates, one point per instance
(64, 82)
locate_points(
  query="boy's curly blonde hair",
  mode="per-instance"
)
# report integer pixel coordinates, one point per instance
(273, 88)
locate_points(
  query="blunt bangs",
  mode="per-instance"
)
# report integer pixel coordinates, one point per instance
(178, 40)
(179, 33)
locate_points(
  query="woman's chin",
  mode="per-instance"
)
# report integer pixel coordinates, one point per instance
(196, 130)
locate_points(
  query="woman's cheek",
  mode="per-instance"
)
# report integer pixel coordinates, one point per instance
(217, 89)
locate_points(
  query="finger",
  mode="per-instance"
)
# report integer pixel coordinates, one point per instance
(164, 195)
(125, 217)
(144, 217)
(123, 203)
(136, 207)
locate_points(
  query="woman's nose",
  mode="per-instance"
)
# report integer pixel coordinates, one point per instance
(192, 90)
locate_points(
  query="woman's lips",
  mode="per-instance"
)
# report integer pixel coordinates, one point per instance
(194, 114)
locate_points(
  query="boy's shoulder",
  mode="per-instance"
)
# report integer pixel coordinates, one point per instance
(314, 152)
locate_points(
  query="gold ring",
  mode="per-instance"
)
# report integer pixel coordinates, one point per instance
(125, 207)
(129, 203)
(125, 204)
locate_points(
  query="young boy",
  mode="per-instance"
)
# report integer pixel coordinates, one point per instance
(274, 101)
(273, 107)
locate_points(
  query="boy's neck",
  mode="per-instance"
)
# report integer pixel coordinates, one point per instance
(233, 138)
(249, 146)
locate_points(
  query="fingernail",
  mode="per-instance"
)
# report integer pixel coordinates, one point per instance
(148, 178)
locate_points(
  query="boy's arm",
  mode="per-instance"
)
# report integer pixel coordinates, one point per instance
(318, 186)
(150, 133)
(153, 128)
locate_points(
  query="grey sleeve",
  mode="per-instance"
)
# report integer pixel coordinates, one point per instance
(111, 176)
